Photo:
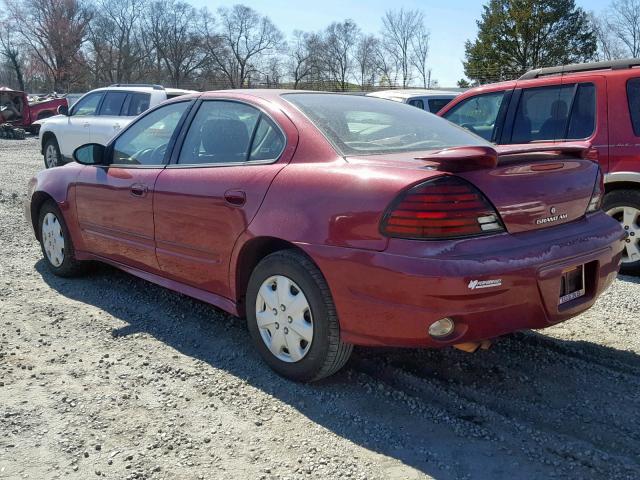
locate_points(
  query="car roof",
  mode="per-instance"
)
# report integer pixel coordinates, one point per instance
(143, 88)
(408, 93)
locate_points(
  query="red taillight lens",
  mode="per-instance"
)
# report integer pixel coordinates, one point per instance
(595, 203)
(444, 207)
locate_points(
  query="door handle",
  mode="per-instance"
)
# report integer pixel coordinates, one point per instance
(85, 124)
(116, 126)
(237, 198)
(139, 190)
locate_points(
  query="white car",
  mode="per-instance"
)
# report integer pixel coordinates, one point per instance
(96, 117)
(429, 100)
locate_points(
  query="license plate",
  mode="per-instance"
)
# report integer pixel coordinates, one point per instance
(572, 285)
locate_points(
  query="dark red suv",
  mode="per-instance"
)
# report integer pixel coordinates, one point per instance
(597, 102)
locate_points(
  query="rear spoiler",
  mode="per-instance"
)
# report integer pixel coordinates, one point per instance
(458, 159)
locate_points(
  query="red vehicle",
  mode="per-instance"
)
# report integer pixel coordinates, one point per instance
(596, 102)
(16, 109)
(334, 220)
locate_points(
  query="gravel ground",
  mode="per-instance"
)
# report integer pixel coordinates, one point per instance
(110, 376)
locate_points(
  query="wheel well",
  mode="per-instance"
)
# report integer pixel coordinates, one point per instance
(250, 255)
(45, 138)
(37, 200)
(610, 187)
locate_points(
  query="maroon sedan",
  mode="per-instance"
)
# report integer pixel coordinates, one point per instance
(331, 221)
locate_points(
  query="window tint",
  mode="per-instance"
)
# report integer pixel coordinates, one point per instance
(542, 114)
(633, 98)
(220, 133)
(478, 114)
(583, 112)
(367, 125)
(87, 105)
(112, 104)
(138, 103)
(145, 142)
(437, 104)
(268, 141)
(416, 102)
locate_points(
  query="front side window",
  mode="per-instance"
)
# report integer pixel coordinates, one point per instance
(437, 104)
(146, 141)
(112, 104)
(478, 114)
(416, 102)
(87, 105)
(372, 126)
(221, 132)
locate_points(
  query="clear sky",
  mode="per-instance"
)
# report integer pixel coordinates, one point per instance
(451, 22)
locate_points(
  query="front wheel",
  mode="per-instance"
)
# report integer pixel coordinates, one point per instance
(292, 319)
(55, 240)
(52, 157)
(624, 206)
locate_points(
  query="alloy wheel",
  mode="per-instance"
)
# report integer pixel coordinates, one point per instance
(284, 318)
(629, 218)
(51, 156)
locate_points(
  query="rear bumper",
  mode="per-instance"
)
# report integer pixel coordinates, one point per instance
(387, 298)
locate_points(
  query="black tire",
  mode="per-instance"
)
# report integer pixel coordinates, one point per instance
(327, 353)
(69, 267)
(624, 198)
(53, 161)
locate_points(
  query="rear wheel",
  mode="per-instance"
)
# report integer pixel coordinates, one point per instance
(292, 319)
(624, 206)
(55, 240)
(52, 157)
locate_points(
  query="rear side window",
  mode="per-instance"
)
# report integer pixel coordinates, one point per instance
(136, 104)
(220, 132)
(553, 113)
(268, 141)
(112, 104)
(478, 114)
(437, 104)
(633, 98)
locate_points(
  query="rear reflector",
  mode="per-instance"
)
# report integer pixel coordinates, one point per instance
(444, 207)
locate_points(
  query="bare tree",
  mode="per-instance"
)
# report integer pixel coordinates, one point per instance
(116, 49)
(623, 21)
(54, 30)
(339, 42)
(303, 56)
(420, 53)
(365, 57)
(609, 45)
(242, 44)
(10, 50)
(399, 28)
(173, 29)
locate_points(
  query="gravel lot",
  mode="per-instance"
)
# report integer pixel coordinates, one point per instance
(110, 376)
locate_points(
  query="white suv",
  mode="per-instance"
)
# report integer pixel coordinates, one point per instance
(96, 117)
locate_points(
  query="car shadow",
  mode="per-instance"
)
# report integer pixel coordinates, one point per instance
(530, 407)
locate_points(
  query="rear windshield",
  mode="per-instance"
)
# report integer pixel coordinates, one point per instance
(358, 125)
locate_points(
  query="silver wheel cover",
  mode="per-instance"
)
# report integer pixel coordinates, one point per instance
(53, 239)
(284, 318)
(629, 218)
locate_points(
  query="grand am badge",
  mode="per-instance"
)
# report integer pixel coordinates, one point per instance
(552, 218)
(476, 284)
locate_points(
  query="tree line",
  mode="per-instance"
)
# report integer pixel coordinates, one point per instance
(75, 45)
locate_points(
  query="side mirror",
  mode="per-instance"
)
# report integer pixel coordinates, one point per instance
(90, 154)
(63, 110)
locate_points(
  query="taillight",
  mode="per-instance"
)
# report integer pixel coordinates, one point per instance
(444, 207)
(595, 203)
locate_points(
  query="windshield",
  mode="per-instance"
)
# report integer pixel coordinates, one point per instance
(358, 125)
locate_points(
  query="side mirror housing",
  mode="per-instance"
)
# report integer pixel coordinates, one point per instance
(63, 110)
(90, 154)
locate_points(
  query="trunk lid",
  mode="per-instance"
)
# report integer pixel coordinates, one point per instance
(531, 187)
